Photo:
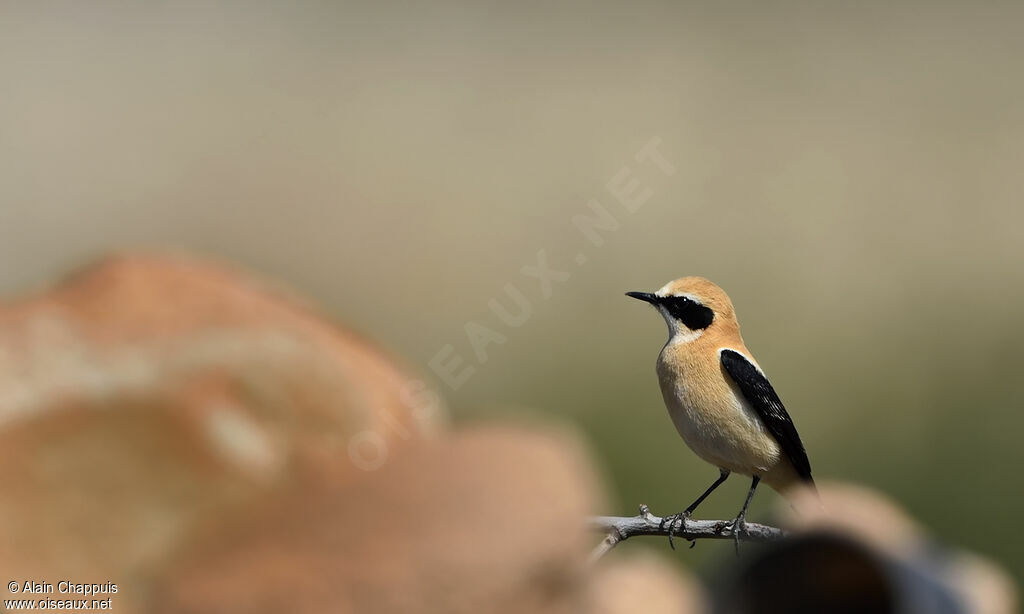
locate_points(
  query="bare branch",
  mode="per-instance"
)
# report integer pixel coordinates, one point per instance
(620, 528)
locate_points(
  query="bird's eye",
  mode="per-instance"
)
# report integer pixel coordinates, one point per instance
(691, 313)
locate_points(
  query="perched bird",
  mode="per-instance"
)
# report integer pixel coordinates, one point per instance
(719, 399)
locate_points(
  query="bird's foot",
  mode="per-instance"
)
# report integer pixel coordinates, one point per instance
(672, 522)
(737, 526)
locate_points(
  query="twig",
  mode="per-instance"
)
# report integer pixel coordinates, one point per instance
(621, 528)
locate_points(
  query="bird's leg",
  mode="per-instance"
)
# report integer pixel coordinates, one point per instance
(739, 524)
(683, 515)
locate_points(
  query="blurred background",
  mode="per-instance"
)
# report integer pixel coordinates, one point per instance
(849, 173)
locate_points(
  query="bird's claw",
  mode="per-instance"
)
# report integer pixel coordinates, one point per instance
(737, 526)
(671, 521)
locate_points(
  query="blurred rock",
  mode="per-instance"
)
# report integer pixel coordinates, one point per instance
(858, 511)
(487, 521)
(859, 547)
(643, 583)
(144, 396)
(983, 586)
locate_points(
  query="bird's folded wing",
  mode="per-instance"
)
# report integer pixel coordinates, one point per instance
(758, 392)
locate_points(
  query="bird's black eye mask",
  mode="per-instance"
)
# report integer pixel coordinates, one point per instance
(688, 311)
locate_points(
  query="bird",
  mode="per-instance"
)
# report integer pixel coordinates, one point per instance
(719, 399)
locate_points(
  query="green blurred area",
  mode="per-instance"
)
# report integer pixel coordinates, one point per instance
(850, 174)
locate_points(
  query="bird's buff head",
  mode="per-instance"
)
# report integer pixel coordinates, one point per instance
(691, 306)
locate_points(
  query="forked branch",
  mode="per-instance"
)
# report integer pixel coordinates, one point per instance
(621, 528)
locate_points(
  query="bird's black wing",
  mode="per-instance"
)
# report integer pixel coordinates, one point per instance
(758, 392)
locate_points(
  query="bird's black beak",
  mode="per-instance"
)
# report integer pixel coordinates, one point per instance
(647, 297)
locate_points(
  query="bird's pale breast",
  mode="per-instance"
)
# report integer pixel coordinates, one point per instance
(713, 418)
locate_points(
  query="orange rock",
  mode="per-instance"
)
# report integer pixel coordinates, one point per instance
(145, 395)
(486, 521)
(643, 583)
